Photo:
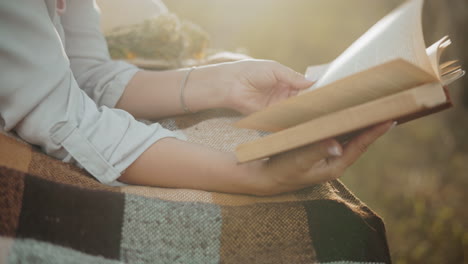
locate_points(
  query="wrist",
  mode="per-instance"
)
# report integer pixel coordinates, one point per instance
(251, 178)
(206, 88)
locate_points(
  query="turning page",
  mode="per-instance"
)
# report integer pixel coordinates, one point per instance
(398, 35)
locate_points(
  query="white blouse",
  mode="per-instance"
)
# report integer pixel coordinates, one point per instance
(59, 87)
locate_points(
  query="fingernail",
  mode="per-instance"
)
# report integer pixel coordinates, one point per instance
(335, 151)
(293, 92)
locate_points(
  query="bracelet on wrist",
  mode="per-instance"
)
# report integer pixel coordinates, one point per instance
(182, 89)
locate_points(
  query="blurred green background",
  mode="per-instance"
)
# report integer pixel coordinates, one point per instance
(416, 176)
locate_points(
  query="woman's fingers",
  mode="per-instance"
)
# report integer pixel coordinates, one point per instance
(316, 163)
(303, 158)
(327, 160)
(290, 77)
(289, 171)
(359, 145)
(293, 167)
(333, 167)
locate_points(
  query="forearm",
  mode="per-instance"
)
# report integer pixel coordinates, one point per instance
(155, 94)
(245, 86)
(176, 164)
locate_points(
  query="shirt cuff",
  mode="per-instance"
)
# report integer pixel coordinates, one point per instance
(107, 169)
(117, 87)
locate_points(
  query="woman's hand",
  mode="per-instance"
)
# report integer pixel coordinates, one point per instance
(309, 165)
(245, 86)
(257, 84)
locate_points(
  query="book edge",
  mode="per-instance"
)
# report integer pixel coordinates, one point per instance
(419, 105)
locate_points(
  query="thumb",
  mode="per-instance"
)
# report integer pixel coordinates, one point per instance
(292, 78)
(305, 157)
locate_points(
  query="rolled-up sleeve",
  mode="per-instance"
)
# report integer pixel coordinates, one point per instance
(41, 100)
(103, 79)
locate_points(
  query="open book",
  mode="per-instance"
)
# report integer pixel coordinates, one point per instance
(387, 74)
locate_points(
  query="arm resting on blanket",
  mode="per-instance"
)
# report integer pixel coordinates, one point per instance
(173, 163)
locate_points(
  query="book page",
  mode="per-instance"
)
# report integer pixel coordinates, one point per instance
(435, 51)
(452, 76)
(398, 35)
(315, 72)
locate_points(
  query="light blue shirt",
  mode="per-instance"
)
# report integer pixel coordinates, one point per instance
(59, 87)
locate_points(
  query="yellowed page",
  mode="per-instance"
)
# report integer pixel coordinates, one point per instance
(398, 35)
(453, 76)
(435, 51)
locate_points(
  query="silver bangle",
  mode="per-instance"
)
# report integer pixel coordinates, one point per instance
(182, 88)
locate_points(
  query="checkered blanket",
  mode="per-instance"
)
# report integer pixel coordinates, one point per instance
(52, 212)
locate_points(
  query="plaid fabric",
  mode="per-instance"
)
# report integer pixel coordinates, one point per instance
(52, 212)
